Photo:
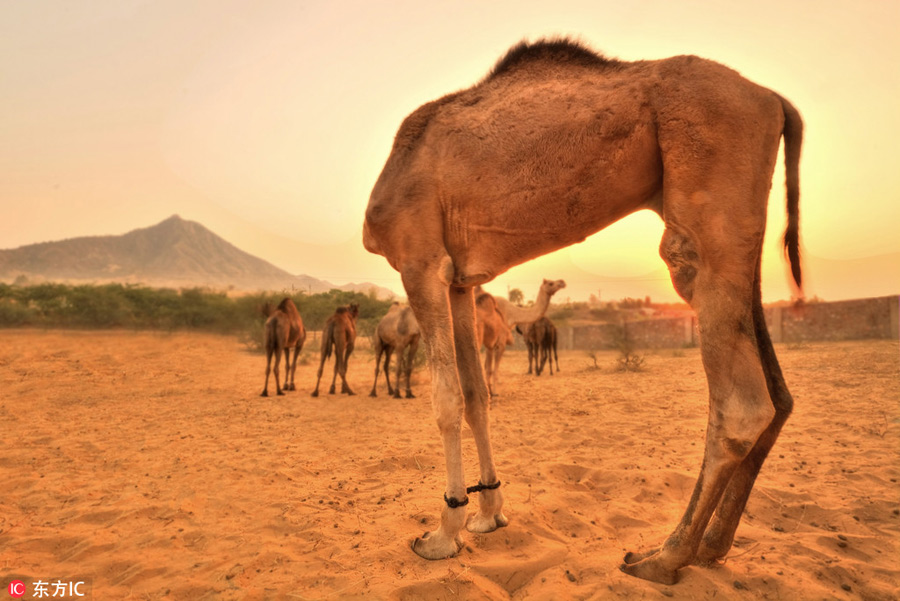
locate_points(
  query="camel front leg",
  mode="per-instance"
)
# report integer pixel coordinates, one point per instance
(475, 392)
(428, 297)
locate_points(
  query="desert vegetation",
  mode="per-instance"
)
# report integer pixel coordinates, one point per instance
(127, 306)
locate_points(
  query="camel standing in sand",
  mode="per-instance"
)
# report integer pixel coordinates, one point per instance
(540, 339)
(397, 331)
(284, 331)
(339, 334)
(494, 334)
(555, 144)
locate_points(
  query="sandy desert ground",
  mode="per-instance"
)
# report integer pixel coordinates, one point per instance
(148, 466)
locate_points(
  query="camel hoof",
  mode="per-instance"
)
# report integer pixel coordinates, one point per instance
(396, 395)
(650, 569)
(410, 395)
(265, 393)
(292, 387)
(632, 557)
(434, 545)
(280, 393)
(351, 393)
(315, 393)
(482, 524)
(373, 395)
(707, 555)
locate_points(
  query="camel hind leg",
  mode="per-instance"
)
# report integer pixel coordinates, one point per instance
(294, 367)
(269, 351)
(326, 352)
(388, 354)
(379, 350)
(712, 257)
(411, 351)
(345, 388)
(720, 534)
(278, 389)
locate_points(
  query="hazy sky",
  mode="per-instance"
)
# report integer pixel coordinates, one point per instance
(268, 122)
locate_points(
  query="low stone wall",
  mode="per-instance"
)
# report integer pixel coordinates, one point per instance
(839, 320)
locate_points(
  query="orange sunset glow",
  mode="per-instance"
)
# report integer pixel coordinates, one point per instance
(269, 123)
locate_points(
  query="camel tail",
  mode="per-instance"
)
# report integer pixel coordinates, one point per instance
(271, 336)
(327, 339)
(793, 140)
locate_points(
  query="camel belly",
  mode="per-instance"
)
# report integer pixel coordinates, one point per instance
(495, 219)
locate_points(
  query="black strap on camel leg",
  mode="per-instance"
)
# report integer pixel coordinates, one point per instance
(453, 503)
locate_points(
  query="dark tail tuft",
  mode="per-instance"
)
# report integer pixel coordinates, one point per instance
(793, 141)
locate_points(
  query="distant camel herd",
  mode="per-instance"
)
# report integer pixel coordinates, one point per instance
(398, 332)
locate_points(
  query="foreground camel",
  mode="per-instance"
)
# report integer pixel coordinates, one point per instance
(339, 334)
(397, 331)
(284, 331)
(553, 145)
(540, 339)
(522, 316)
(494, 334)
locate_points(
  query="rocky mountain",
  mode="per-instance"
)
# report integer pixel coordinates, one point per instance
(174, 253)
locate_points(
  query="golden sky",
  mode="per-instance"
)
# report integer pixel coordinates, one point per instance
(268, 122)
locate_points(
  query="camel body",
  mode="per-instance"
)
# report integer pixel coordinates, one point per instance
(494, 334)
(339, 336)
(555, 144)
(540, 340)
(398, 331)
(283, 331)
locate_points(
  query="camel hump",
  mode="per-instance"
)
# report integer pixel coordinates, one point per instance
(554, 50)
(287, 305)
(486, 300)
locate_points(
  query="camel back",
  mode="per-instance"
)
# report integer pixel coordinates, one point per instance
(556, 125)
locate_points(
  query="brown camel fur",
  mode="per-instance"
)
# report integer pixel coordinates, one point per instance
(553, 145)
(397, 331)
(284, 331)
(339, 334)
(516, 315)
(494, 334)
(540, 339)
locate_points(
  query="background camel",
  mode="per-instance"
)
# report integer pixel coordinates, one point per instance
(556, 143)
(516, 315)
(494, 334)
(540, 340)
(339, 334)
(284, 331)
(398, 331)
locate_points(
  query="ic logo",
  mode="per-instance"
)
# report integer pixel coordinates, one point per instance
(17, 589)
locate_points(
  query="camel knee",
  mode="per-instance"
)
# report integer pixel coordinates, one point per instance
(448, 412)
(681, 256)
